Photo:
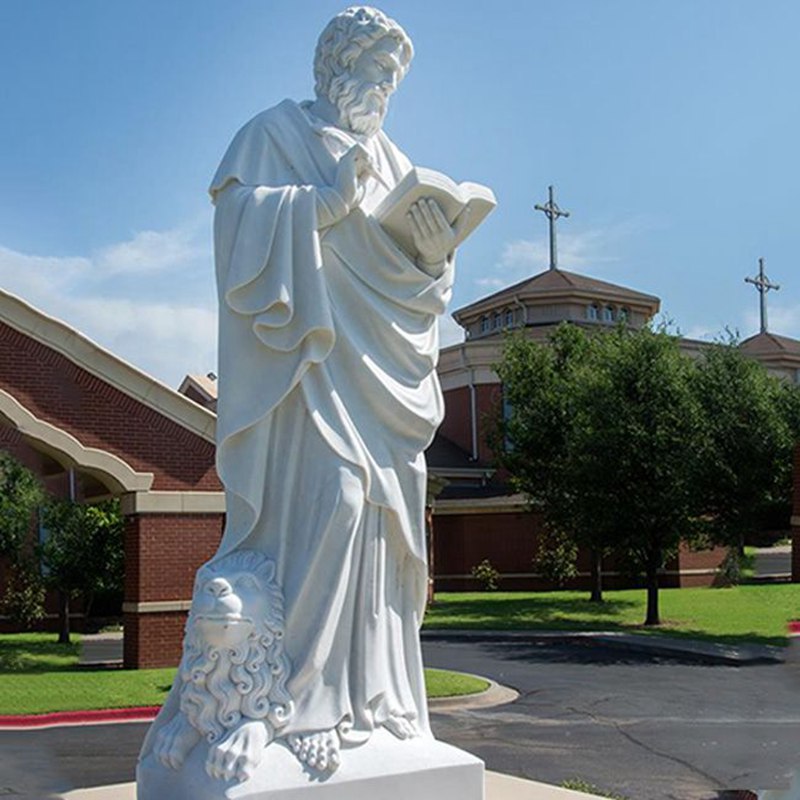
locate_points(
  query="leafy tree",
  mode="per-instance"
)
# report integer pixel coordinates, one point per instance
(535, 442)
(639, 444)
(20, 495)
(752, 424)
(603, 437)
(82, 553)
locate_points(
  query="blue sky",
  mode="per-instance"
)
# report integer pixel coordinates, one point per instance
(669, 127)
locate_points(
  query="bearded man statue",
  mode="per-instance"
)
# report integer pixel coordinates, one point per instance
(328, 395)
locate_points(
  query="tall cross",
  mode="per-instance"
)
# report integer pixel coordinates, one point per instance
(552, 212)
(761, 282)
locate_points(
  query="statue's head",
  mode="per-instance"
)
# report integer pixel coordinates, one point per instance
(362, 55)
(233, 663)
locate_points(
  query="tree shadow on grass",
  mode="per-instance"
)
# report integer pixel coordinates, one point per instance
(542, 612)
(569, 614)
(18, 654)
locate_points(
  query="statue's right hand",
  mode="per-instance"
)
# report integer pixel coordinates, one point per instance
(352, 166)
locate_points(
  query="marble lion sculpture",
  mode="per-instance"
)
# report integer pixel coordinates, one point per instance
(233, 671)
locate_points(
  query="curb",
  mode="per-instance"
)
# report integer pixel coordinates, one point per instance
(66, 718)
(495, 695)
(694, 650)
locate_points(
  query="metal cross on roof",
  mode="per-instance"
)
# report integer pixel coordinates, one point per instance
(761, 282)
(552, 212)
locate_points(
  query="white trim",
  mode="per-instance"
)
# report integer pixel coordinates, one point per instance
(173, 503)
(510, 504)
(105, 365)
(67, 450)
(156, 606)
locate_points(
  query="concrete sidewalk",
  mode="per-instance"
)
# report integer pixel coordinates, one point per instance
(498, 787)
(693, 649)
(101, 649)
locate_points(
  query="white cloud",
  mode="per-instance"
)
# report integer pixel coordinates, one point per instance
(151, 251)
(576, 251)
(783, 320)
(118, 298)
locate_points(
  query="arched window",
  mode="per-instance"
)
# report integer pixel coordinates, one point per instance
(509, 318)
(592, 312)
(498, 320)
(608, 314)
(623, 314)
(485, 323)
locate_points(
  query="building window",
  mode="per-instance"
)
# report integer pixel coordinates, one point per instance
(485, 323)
(623, 315)
(608, 314)
(508, 412)
(592, 312)
(498, 320)
(509, 318)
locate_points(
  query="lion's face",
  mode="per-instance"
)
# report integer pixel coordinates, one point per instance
(231, 600)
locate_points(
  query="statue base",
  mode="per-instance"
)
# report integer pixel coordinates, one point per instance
(384, 768)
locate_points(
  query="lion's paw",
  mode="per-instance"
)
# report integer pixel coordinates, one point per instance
(319, 750)
(239, 753)
(174, 741)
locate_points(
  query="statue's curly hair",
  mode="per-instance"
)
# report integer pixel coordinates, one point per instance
(347, 35)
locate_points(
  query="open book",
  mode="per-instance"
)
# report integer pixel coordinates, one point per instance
(452, 197)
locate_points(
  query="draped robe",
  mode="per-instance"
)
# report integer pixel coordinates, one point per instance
(328, 397)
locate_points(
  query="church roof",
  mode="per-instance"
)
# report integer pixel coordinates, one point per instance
(766, 343)
(560, 282)
(105, 365)
(442, 453)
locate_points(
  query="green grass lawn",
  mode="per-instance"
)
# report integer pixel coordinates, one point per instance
(37, 676)
(440, 683)
(756, 614)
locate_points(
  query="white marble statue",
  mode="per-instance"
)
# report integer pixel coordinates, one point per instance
(328, 397)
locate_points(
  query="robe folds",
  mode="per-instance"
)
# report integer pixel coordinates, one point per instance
(328, 398)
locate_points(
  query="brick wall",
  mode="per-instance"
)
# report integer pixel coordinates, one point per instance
(162, 554)
(153, 640)
(508, 541)
(54, 389)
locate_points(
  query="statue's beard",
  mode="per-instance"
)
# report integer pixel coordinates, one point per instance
(362, 106)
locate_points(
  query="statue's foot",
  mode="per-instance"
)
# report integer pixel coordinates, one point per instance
(318, 750)
(402, 727)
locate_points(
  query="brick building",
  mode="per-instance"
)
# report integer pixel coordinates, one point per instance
(91, 424)
(77, 414)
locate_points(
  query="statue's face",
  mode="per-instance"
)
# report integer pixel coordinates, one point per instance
(379, 65)
(227, 609)
(363, 99)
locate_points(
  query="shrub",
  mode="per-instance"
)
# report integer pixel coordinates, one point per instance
(487, 575)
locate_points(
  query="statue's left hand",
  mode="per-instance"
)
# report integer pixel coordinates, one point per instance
(433, 236)
(239, 753)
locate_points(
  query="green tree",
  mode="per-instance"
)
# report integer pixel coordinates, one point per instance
(752, 425)
(603, 436)
(535, 442)
(639, 445)
(82, 553)
(20, 495)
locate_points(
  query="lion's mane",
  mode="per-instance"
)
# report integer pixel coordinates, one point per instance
(222, 686)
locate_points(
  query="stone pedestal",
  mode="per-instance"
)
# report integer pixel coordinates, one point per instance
(384, 768)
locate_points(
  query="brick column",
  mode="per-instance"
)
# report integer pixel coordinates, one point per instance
(163, 551)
